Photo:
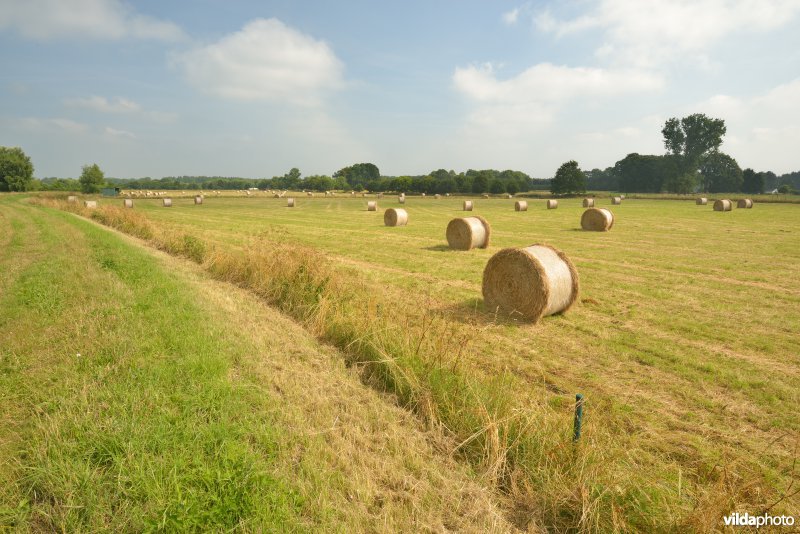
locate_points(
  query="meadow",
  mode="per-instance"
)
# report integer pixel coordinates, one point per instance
(684, 342)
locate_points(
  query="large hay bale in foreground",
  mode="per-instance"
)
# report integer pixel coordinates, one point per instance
(290, 202)
(530, 282)
(91, 204)
(521, 205)
(597, 220)
(701, 201)
(468, 233)
(128, 203)
(744, 203)
(723, 204)
(588, 202)
(198, 199)
(467, 205)
(552, 204)
(72, 199)
(372, 206)
(616, 200)
(167, 202)
(395, 217)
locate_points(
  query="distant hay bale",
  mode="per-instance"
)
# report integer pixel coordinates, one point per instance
(372, 205)
(91, 204)
(701, 201)
(597, 220)
(509, 196)
(363, 195)
(521, 205)
(552, 204)
(401, 199)
(198, 199)
(395, 217)
(128, 203)
(290, 202)
(588, 202)
(616, 200)
(437, 196)
(352, 193)
(744, 203)
(167, 202)
(247, 193)
(468, 233)
(379, 195)
(467, 205)
(723, 204)
(622, 197)
(309, 194)
(531, 282)
(485, 195)
(447, 194)
(72, 199)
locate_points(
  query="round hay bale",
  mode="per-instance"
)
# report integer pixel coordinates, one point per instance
(622, 197)
(616, 200)
(531, 282)
(167, 202)
(198, 200)
(588, 202)
(128, 203)
(723, 204)
(437, 196)
(509, 196)
(485, 195)
(701, 201)
(72, 199)
(309, 194)
(552, 204)
(395, 217)
(597, 220)
(372, 205)
(401, 199)
(521, 205)
(447, 194)
(467, 205)
(290, 202)
(744, 203)
(468, 233)
(91, 204)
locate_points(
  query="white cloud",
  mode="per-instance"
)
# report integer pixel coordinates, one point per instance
(104, 105)
(53, 124)
(659, 31)
(113, 132)
(266, 60)
(511, 17)
(85, 19)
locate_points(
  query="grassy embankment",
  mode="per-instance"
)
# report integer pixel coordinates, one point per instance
(684, 344)
(136, 394)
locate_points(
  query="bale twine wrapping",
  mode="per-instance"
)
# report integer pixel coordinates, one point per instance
(702, 201)
(198, 200)
(723, 204)
(395, 217)
(72, 198)
(616, 200)
(744, 203)
(290, 202)
(531, 282)
(372, 206)
(468, 233)
(467, 205)
(552, 204)
(91, 204)
(167, 202)
(588, 202)
(521, 205)
(597, 220)
(128, 203)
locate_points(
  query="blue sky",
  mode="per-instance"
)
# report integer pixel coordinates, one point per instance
(213, 87)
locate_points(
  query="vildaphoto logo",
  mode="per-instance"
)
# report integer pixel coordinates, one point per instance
(758, 521)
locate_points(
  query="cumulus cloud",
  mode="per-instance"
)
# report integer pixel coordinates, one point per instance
(113, 132)
(511, 17)
(104, 105)
(658, 31)
(265, 60)
(84, 19)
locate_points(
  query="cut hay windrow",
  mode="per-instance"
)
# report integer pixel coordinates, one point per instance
(372, 206)
(198, 200)
(616, 200)
(467, 205)
(701, 201)
(588, 202)
(723, 204)
(597, 220)
(128, 203)
(530, 283)
(290, 202)
(91, 204)
(552, 204)
(167, 202)
(521, 205)
(468, 233)
(395, 217)
(745, 203)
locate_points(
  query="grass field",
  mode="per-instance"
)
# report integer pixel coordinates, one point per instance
(684, 344)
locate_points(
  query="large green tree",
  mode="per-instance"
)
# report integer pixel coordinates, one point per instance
(752, 181)
(359, 175)
(692, 138)
(721, 173)
(16, 170)
(569, 178)
(92, 178)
